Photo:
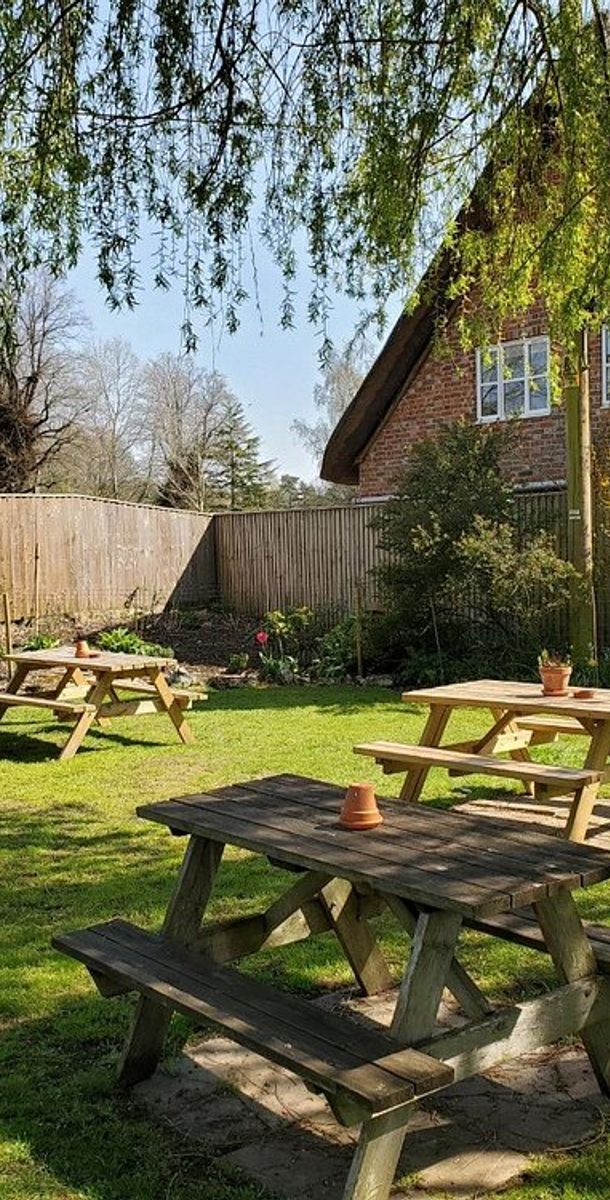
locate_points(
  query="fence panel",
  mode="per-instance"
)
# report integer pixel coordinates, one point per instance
(80, 555)
(320, 557)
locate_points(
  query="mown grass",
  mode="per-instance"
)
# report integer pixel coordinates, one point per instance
(72, 851)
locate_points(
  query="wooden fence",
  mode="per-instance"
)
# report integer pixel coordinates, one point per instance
(78, 555)
(83, 556)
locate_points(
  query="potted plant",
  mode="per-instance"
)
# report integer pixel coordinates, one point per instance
(555, 672)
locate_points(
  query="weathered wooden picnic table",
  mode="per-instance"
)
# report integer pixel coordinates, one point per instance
(436, 872)
(522, 717)
(140, 676)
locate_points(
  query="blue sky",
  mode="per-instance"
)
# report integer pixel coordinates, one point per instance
(271, 370)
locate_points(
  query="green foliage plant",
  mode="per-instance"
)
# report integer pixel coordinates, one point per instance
(40, 641)
(239, 662)
(462, 584)
(126, 641)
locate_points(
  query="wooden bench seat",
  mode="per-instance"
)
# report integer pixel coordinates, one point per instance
(523, 928)
(552, 725)
(334, 1056)
(74, 707)
(398, 757)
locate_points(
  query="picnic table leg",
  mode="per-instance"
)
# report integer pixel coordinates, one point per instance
(520, 755)
(340, 904)
(182, 922)
(584, 800)
(375, 1160)
(428, 969)
(171, 706)
(381, 1139)
(433, 732)
(574, 959)
(71, 675)
(86, 719)
(15, 683)
(469, 997)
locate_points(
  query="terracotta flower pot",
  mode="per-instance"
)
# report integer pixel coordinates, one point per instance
(360, 809)
(82, 648)
(555, 680)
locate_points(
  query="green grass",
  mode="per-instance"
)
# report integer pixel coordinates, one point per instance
(73, 852)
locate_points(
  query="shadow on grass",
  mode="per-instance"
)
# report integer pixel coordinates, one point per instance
(58, 1099)
(27, 746)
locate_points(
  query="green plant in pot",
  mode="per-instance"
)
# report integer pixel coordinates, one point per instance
(555, 671)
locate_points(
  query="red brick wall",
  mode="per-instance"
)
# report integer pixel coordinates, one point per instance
(444, 390)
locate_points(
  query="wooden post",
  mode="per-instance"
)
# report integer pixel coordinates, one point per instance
(358, 631)
(36, 586)
(580, 497)
(8, 628)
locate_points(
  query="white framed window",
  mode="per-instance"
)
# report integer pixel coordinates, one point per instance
(513, 380)
(605, 367)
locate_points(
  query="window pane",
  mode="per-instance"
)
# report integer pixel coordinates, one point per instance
(538, 357)
(514, 397)
(489, 400)
(513, 361)
(539, 395)
(489, 365)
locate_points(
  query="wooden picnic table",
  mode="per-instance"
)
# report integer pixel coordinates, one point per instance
(141, 676)
(522, 717)
(435, 872)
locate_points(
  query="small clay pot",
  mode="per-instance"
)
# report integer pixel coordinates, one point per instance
(584, 694)
(360, 809)
(82, 648)
(555, 680)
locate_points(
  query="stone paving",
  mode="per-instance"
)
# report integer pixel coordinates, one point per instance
(474, 1137)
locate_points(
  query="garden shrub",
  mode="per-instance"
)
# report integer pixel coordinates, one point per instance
(465, 591)
(126, 641)
(40, 641)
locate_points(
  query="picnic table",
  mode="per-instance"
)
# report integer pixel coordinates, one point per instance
(140, 676)
(521, 717)
(435, 872)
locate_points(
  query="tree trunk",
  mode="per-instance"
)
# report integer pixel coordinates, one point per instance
(580, 498)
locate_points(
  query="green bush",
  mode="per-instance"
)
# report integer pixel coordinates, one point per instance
(126, 641)
(337, 657)
(40, 641)
(465, 591)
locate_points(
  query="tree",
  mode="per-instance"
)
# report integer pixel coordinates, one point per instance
(204, 449)
(366, 126)
(39, 395)
(111, 454)
(342, 375)
(241, 478)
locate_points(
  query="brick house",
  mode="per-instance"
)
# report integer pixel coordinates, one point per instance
(417, 383)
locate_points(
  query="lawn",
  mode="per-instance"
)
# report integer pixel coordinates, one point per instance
(73, 852)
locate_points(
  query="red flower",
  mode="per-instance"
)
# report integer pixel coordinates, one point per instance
(261, 638)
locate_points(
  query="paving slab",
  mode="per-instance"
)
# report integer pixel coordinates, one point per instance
(473, 1138)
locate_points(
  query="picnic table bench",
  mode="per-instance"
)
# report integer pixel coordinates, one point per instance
(435, 872)
(522, 717)
(98, 699)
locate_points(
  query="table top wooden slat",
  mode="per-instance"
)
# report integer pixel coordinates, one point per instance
(500, 837)
(402, 859)
(64, 656)
(513, 696)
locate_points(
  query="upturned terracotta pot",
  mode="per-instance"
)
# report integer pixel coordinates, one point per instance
(360, 809)
(82, 648)
(555, 680)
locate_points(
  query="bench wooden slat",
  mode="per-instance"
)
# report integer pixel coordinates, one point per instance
(13, 699)
(559, 725)
(523, 929)
(318, 1046)
(477, 764)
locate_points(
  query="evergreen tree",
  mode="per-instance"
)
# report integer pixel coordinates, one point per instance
(240, 478)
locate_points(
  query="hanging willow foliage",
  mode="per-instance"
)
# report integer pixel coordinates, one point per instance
(359, 125)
